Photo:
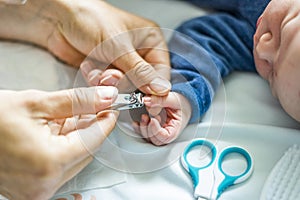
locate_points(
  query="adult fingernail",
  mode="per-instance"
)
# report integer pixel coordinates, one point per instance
(85, 68)
(109, 80)
(160, 85)
(107, 92)
(94, 76)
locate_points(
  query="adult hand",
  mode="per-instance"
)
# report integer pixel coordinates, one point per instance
(169, 116)
(72, 29)
(132, 44)
(48, 137)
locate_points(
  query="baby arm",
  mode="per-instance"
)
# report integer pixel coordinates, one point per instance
(170, 115)
(203, 51)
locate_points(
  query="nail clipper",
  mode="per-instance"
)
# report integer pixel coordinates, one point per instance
(128, 101)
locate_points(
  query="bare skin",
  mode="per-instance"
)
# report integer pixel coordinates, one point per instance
(49, 137)
(276, 48)
(72, 29)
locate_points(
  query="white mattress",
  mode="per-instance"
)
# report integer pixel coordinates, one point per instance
(243, 113)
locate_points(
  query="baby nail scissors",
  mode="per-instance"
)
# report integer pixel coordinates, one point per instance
(211, 180)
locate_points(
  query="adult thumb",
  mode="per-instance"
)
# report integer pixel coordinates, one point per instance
(149, 78)
(67, 103)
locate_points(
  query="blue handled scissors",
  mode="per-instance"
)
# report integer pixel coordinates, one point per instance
(211, 180)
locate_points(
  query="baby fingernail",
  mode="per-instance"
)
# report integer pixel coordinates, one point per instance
(107, 92)
(160, 85)
(147, 99)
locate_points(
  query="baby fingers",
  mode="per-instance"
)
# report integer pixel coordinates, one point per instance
(152, 131)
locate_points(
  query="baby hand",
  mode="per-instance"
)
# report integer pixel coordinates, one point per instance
(169, 116)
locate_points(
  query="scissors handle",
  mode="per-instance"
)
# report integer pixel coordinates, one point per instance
(234, 179)
(223, 179)
(189, 167)
(213, 179)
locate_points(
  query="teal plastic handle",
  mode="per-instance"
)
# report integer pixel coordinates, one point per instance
(229, 179)
(225, 180)
(191, 169)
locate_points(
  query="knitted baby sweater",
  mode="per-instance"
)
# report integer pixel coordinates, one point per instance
(205, 49)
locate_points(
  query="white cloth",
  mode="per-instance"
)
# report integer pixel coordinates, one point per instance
(283, 183)
(94, 176)
(264, 143)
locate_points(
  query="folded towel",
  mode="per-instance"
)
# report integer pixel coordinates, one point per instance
(283, 183)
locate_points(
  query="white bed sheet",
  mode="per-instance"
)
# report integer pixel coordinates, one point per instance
(243, 112)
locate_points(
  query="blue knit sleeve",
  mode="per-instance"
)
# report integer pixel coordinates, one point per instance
(205, 49)
(225, 5)
(248, 10)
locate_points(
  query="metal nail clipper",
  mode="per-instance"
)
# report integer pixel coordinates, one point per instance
(128, 101)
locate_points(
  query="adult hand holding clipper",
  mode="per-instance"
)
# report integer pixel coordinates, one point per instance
(46, 138)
